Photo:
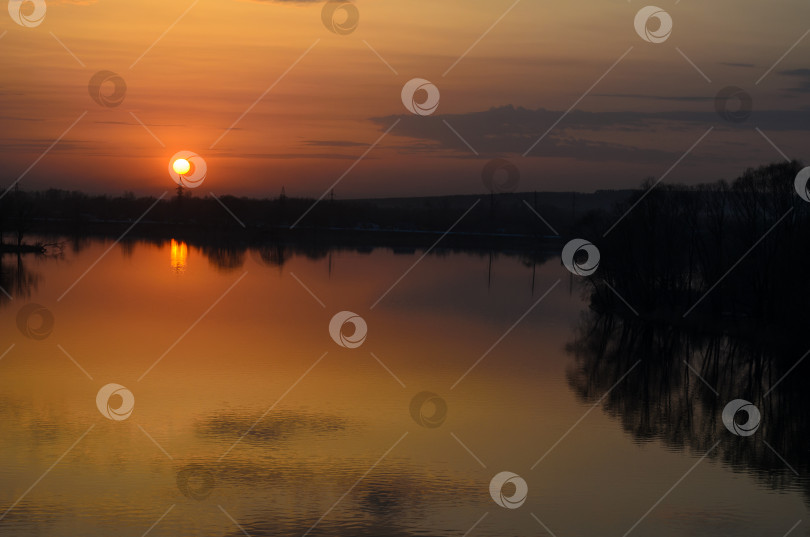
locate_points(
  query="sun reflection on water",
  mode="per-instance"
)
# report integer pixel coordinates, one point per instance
(179, 256)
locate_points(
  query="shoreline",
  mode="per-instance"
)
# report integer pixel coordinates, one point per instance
(258, 236)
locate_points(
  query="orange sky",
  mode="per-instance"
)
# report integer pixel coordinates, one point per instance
(190, 85)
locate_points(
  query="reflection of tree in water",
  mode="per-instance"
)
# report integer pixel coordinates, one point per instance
(127, 247)
(224, 258)
(662, 399)
(277, 254)
(274, 255)
(715, 278)
(16, 279)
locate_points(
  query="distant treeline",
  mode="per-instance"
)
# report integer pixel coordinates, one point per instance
(679, 254)
(707, 254)
(204, 216)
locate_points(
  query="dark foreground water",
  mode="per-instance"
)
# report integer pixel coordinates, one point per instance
(233, 410)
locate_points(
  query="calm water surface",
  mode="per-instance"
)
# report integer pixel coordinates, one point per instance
(247, 412)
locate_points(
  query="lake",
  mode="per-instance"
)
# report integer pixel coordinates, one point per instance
(233, 410)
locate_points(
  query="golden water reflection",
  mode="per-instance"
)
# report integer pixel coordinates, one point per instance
(179, 256)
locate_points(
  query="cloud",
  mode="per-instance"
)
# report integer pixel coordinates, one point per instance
(113, 122)
(681, 98)
(334, 143)
(803, 76)
(72, 2)
(510, 130)
(18, 118)
(286, 1)
(734, 64)
(286, 156)
(582, 135)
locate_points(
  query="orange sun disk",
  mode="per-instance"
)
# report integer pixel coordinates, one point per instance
(181, 166)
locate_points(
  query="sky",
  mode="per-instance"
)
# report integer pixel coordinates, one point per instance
(270, 96)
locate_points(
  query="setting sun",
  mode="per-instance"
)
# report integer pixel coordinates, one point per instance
(181, 166)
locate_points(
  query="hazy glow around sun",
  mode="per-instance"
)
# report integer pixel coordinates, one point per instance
(181, 166)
